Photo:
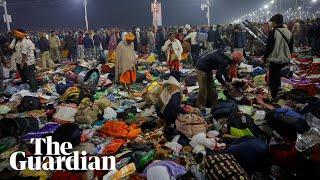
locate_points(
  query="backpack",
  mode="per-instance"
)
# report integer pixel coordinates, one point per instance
(225, 109)
(29, 103)
(224, 166)
(287, 122)
(201, 37)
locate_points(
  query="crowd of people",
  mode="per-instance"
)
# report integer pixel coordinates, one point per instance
(214, 53)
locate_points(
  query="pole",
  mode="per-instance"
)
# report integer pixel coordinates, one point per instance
(86, 14)
(155, 18)
(208, 14)
(6, 15)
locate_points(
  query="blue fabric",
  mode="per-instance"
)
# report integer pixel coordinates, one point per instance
(249, 152)
(258, 71)
(240, 40)
(87, 42)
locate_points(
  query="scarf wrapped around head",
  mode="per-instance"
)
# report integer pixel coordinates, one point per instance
(19, 33)
(237, 56)
(170, 87)
(129, 37)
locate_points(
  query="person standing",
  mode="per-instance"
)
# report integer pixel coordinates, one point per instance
(97, 44)
(125, 66)
(54, 44)
(44, 47)
(213, 60)
(151, 41)
(173, 49)
(278, 52)
(80, 48)
(71, 46)
(88, 46)
(296, 32)
(195, 47)
(27, 60)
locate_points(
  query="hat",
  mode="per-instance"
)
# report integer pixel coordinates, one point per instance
(129, 37)
(237, 56)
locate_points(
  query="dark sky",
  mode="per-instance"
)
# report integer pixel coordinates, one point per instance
(124, 13)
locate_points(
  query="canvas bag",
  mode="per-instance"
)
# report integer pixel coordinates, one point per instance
(191, 124)
(224, 166)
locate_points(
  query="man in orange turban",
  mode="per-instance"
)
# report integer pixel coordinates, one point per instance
(125, 66)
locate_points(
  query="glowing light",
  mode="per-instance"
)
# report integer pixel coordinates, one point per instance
(273, 1)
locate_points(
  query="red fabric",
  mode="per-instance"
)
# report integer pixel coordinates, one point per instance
(128, 77)
(284, 157)
(311, 89)
(233, 71)
(64, 175)
(113, 147)
(106, 69)
(174, 65)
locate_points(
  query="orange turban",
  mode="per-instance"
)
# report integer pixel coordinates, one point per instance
(20, 34)
(129, 37)
(237, 56)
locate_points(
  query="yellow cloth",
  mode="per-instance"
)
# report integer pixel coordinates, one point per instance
(125, 171)
(42, 175)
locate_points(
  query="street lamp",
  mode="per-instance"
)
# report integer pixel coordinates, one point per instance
(266, 6)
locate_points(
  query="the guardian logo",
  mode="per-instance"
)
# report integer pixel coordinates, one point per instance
(59, 157)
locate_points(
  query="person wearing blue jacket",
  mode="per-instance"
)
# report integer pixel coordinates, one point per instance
(88, 47)
(239, 38)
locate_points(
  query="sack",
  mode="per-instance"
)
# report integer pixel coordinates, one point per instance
(65, 113)
(29, 103)
(201, 37)
(69, 132)
(18, 127)
(287, 122)
(251, 153)
(224, 166)
(225, 109)
(87, 112)
(191, 124)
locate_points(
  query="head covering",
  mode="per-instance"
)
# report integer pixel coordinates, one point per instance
(129, 37)
(173, 81)
(20, 33)
(123, 36)
(237, 56)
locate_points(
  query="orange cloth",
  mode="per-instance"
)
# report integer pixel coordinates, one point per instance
(20, 34)
(120, 129)
(233, 71)
(174, 65)
(112, 56)
(128, 77)
(113, 147)
(237, 56)
(129, 36)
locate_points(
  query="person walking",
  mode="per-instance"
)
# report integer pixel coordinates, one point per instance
(173, 49)
(97, 44)
(195, 47)
(80, 47)
(278, 52)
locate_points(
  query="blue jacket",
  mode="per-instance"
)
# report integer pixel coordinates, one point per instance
(87, 42)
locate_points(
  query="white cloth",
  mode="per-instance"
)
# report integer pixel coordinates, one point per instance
(28, 48)
(158, 173)
(192, 36)
(109, 114)
(176, 47)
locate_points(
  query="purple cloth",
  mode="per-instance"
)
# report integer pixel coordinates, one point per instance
(46, 129)
(175, 170)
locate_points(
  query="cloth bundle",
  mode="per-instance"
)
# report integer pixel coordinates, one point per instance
(87, 112)
(191, 124)
(120, 129)
(71, 94)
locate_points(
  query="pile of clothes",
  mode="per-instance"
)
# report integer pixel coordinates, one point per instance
(245, 136)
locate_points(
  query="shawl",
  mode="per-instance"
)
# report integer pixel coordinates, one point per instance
(125, 59)
(170, 87)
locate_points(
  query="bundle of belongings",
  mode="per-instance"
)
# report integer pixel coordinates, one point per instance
(156, 130)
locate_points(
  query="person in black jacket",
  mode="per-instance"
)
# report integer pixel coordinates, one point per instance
(44, 47)
(278, 52)
(214, 60)
(71, 46)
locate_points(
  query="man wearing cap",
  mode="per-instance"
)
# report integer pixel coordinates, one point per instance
(278, 52)
(125, 66)
(27, 60)
(213, 60)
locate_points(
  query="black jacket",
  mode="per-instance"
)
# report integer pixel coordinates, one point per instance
(215, 60)
(44, 45)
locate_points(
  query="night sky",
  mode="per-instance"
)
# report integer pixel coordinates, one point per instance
(121, 13)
